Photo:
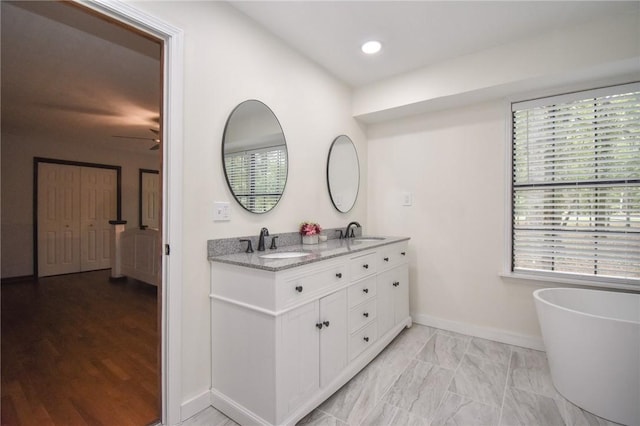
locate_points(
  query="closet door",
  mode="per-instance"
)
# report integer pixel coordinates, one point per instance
(58, 219)
(75, 204)
(97, 207)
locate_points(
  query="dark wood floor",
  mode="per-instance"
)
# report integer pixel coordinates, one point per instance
(79, 350)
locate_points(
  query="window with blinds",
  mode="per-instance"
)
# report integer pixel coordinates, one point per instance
(257, 177)
(576, 185)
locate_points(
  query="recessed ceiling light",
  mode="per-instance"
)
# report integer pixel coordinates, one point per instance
(371, 47)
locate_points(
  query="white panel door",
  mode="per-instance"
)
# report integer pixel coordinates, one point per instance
(58, 219)
(150, 187)
(97, 208)
(333, 336)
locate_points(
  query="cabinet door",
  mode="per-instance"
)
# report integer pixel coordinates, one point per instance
(393, 298)
(386, 305)
(333, 336)
(401, 293)
(300, 351)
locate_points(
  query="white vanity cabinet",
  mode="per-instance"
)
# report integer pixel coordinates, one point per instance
(284, 340)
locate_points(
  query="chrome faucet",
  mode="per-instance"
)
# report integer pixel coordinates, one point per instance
(346, 232)
(264, 232)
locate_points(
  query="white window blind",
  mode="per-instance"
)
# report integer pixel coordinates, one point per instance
(576, 185)
(257, 177)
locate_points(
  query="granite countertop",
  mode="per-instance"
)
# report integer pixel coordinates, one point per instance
(316, 252)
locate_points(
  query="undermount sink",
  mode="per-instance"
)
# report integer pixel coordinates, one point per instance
(284, 255)
(369, 238)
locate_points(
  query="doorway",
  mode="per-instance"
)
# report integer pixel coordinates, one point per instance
(76, 154)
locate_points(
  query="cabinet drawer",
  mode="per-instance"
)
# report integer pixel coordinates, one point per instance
(362, 315)
(359, 292)
(392, 256)
(310, 285)
(362, 339)
(362, 266)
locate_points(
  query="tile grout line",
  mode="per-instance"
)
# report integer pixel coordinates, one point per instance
(506, 382)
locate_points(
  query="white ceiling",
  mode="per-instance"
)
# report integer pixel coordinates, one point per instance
(414, 34)
(70, 76)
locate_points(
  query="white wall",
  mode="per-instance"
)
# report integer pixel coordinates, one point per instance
(453, 162)
(17, 190)
(228, 59)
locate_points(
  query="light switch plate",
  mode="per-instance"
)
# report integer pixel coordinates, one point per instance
(407, 198)
(221, 211)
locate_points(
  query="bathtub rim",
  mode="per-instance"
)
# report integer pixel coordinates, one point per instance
(537, 296)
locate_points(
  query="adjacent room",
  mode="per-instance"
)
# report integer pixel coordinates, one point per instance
(81, 102)
(345, 213)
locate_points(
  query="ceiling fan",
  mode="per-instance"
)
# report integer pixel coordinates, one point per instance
(155, 139)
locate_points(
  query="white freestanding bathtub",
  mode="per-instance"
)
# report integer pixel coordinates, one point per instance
(592, 340)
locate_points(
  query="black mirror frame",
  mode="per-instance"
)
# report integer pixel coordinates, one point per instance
(328, 182)
(224, 166)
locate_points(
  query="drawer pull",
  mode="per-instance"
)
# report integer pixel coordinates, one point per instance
(404, 253)
(319, 325)
(396, 284)
(386, 259)
(326, 323)
(366, 314)
(299, 288)
(339, 275)
(365, 266)
(366, 290)
(366, 339)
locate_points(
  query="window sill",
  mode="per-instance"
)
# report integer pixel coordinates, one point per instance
(633, 285)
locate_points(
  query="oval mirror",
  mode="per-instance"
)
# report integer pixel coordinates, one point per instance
(254, 156)
(343, 173)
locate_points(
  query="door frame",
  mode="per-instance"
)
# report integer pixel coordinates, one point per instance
(172, 178)
(36, 163)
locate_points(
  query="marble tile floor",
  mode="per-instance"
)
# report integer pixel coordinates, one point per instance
(432, 377)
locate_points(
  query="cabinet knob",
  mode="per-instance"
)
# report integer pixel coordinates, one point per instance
(326, 323)
(386, 259)
(366, 339)
(299, 288)
(404, 253)
(365, 266)
(339, 275)
(396, 284)
(366, 314)
(319, 325)
(366, 290)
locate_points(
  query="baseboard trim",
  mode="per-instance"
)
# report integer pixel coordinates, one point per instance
(18, 279)
(489, 333)
(193, 406)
